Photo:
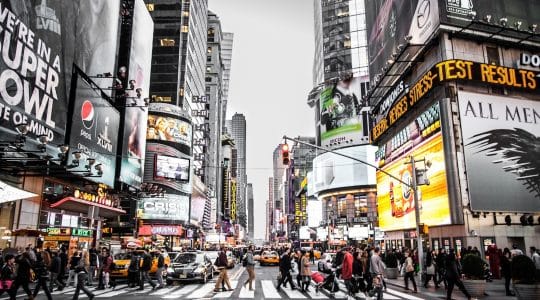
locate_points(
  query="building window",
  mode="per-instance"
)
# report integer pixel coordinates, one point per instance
(208, 69)
(150, 6)
(209, 50)
(167, 42)
(185, 28)
(208, 79)
(185, 13)
(209, 59)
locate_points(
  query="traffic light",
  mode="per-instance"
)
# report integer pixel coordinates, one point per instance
(285, 153)
(424, 229)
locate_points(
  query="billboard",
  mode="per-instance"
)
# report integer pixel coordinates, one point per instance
(140, 63)
(169, 129)
(502, 141)
(423, 140)
(171, 208)
(175, 168)
(94, 131)
(458, 12)
(332, 171)
(391, 21)
(344, 122)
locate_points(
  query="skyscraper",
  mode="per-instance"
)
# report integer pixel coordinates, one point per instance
(238, 133)
(226, 58)
(250, 214)
(270, 210)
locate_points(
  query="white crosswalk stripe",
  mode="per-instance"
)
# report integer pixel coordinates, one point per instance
(234, 283)
(182, 291)
(165, 291)
(294, 294)
(400, 294)
(269, 290)
(202, 291)
(246, 293)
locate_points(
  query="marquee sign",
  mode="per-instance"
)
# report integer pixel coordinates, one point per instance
(164, 230)
(450, 70)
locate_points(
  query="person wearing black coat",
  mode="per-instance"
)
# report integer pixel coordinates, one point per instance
(23, 276)
(358, 272)
(453, 276)
(63, 264)
(506, 270)
(42, 275)
(285, 270)
(56, 266)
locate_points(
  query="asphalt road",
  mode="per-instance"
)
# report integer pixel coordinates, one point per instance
(265, 288)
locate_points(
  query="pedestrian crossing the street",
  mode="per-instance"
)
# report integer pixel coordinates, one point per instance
(263, 289)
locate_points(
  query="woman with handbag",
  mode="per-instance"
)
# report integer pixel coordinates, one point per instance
(306, 272)
(7, 274)
(430, 269)
(409, 271)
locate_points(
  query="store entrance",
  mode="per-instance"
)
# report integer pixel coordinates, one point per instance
(518, 241)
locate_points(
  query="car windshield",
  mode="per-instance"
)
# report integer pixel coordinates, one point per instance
(269, 253)
(186, 258)
(122, 256)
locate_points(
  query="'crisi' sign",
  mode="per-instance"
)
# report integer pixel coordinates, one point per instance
(450, 70)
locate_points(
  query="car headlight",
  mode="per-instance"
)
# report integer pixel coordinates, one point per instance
(170, 270)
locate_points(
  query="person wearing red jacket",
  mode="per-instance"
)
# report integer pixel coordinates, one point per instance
(347, 271)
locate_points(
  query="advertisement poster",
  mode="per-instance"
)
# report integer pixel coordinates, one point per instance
(140, 63)
(423, 140)
(458, 12)
(94, 131)
(344, 122)
(172, 167)
(168, 129)
(171, 208)
(390, 21)
(502, 141)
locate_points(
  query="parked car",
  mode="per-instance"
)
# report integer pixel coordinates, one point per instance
(269, 258)
(190, 266)
(123, 259)
(257, 255)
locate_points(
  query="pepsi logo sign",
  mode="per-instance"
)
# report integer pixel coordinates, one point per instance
(87, 114)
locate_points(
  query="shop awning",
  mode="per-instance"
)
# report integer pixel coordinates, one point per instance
(81, 206)
(10, 193)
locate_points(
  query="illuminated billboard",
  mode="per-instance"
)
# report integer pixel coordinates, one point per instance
(172, 208)
(175, 168)
(344, 121)
(423, 140)
(169, 129)
(502, 156)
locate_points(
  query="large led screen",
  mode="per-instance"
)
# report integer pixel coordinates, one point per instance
(168, 129)
(423, 140)
(502, 152)
(175, 168)
(344, 120)
(171, 208)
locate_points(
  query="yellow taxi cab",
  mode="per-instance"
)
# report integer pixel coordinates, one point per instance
(123, 259)
(269, 258)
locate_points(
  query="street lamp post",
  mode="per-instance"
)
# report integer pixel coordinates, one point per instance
(417, 215)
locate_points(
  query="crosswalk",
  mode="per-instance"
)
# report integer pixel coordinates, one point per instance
(263, 289)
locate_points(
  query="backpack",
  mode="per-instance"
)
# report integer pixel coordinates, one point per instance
(134, 264)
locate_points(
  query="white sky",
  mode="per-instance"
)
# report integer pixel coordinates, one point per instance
(271, 75)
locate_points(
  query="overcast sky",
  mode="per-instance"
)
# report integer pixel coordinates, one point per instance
(271, 77)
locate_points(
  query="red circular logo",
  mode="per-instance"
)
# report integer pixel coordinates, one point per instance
(87, 114)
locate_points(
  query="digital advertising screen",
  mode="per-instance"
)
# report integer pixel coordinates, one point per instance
(140, 64)
(169, 129)
(171, 207)
(175, 168)
(423, 140)
(344, 120)
(502, 157)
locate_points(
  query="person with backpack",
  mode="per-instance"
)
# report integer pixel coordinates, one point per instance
(250, 267)
(56, 265)
(94, 265)
(7, 274)
(42, 274)
(221, 263)
(82, 278)
(145, 269)
(160, 268)
(133, 270)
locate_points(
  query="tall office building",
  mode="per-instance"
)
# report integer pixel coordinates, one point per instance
(179, 63)
(250, 214)
(340, 39)
(218, 64)
(237, 130)
(270, 210)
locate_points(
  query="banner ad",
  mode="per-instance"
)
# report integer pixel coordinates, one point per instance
(502, 141)
(423, 140)
(171, 208)
(168, 129)
(140, 64)
(391, 21)
(94, 131)
(344, 122)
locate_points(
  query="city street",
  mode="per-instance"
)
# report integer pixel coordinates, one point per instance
(265, 288)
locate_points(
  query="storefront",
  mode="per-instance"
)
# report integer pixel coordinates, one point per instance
(70, 238)
(169, 236)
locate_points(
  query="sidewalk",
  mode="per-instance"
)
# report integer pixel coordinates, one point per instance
(494, 290)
